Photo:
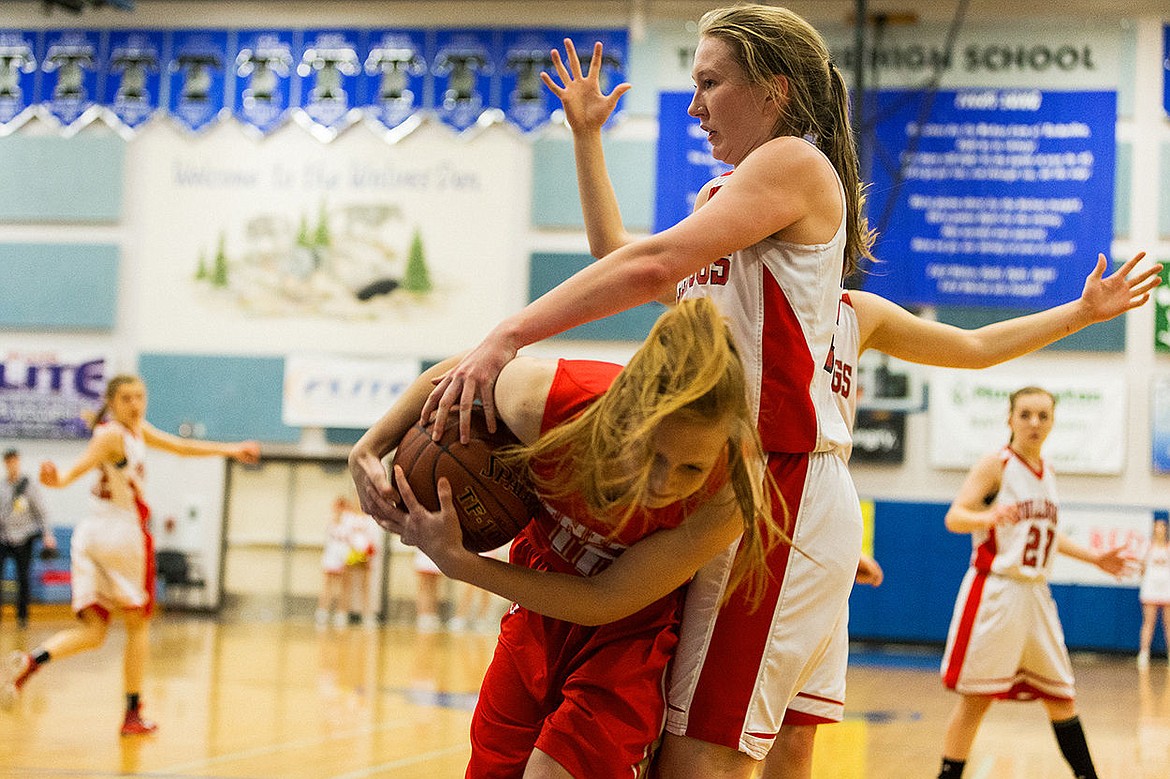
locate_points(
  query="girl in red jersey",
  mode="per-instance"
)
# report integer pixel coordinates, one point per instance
(770, 244)
(112, 564)
(1005, 640)
(645, 473)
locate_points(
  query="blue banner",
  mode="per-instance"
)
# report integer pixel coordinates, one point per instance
(396, 78)
(19, 92)
(71, 63)
(197, 70)
(463, 68)
(990, 197)
(685, 163)
(133, 76)
(1166, 68)
(263, 64)
(527, 103)
(328, 67)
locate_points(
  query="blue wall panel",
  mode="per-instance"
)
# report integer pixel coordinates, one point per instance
(555, 202)
(51, 179)
(233, 398)
(48, 286)
(548, 270)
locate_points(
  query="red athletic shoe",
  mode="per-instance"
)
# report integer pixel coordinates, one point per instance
(135, 725)
(14, 672)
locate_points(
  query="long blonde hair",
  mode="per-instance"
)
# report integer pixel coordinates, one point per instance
(688, 366)
(768, 41)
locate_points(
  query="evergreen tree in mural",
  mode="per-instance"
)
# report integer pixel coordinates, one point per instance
(321, 237)
(303, 232)
(201, 272)
(219, 273)
(416, 278)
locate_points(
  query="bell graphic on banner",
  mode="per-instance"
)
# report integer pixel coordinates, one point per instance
(328, 60)
(263, 66)
(18, 66)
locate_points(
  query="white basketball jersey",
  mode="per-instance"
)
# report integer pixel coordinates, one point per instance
(1026, 549)
(122, 485)
(781, 300)
(845, 356)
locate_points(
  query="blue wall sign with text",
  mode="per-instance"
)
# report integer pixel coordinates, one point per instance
(1002, 197)
(685, 163)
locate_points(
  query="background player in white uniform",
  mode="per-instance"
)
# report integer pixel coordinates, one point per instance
(868, 321)
(1005, 639)
(112, 550)
(772, 248)
(1154, 593)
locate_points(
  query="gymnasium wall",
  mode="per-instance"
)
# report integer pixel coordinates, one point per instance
(102, 238)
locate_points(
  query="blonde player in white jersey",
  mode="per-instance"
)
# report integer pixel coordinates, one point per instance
(112, 554)
(1005, 639)
(771, 249)
(867, 321)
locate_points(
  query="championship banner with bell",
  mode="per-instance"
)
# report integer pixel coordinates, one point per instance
(464, 72)
(71, 64)
(19, 92)
(328, 66)
(395, 69)
(196, 77)
(263, 85)
(132, 78)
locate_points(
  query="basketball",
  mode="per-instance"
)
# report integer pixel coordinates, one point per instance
(492, 501)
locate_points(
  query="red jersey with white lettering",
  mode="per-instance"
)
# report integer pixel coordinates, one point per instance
(591, 697)
(1024, 549)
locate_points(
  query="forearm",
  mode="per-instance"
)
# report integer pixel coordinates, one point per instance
(599, 206)
(1002, 341)
(635, 274)
(576, 599)
(960, 519)
(1067, 546)
(384, 435)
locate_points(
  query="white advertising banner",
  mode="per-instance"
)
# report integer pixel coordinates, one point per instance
(1101, 528)
(969, 412)
(338, 391)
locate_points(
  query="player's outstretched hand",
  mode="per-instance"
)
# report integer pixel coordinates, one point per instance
(436, 533)
(49, 476)
(1107, 297)
(1115, 562)
(587, 108)
(473, 378)
(376, 494)
(247, 452)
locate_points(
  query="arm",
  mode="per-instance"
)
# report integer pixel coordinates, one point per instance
(1114, 562)
(869, 572)
(970, 510)
(891, 329)
(522, 387)
(244, 451)
(105, 446)
(775, 187)
(36, 506)
(620, 590)
(586, 110)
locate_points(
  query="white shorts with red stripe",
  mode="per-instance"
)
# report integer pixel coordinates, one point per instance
(737, 669)
(1006, 641)
(822, 699)
(110, 561)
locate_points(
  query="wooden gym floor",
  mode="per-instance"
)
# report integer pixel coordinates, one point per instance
(284, 699)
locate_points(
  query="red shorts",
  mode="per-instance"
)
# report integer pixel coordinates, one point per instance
(592, 698)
